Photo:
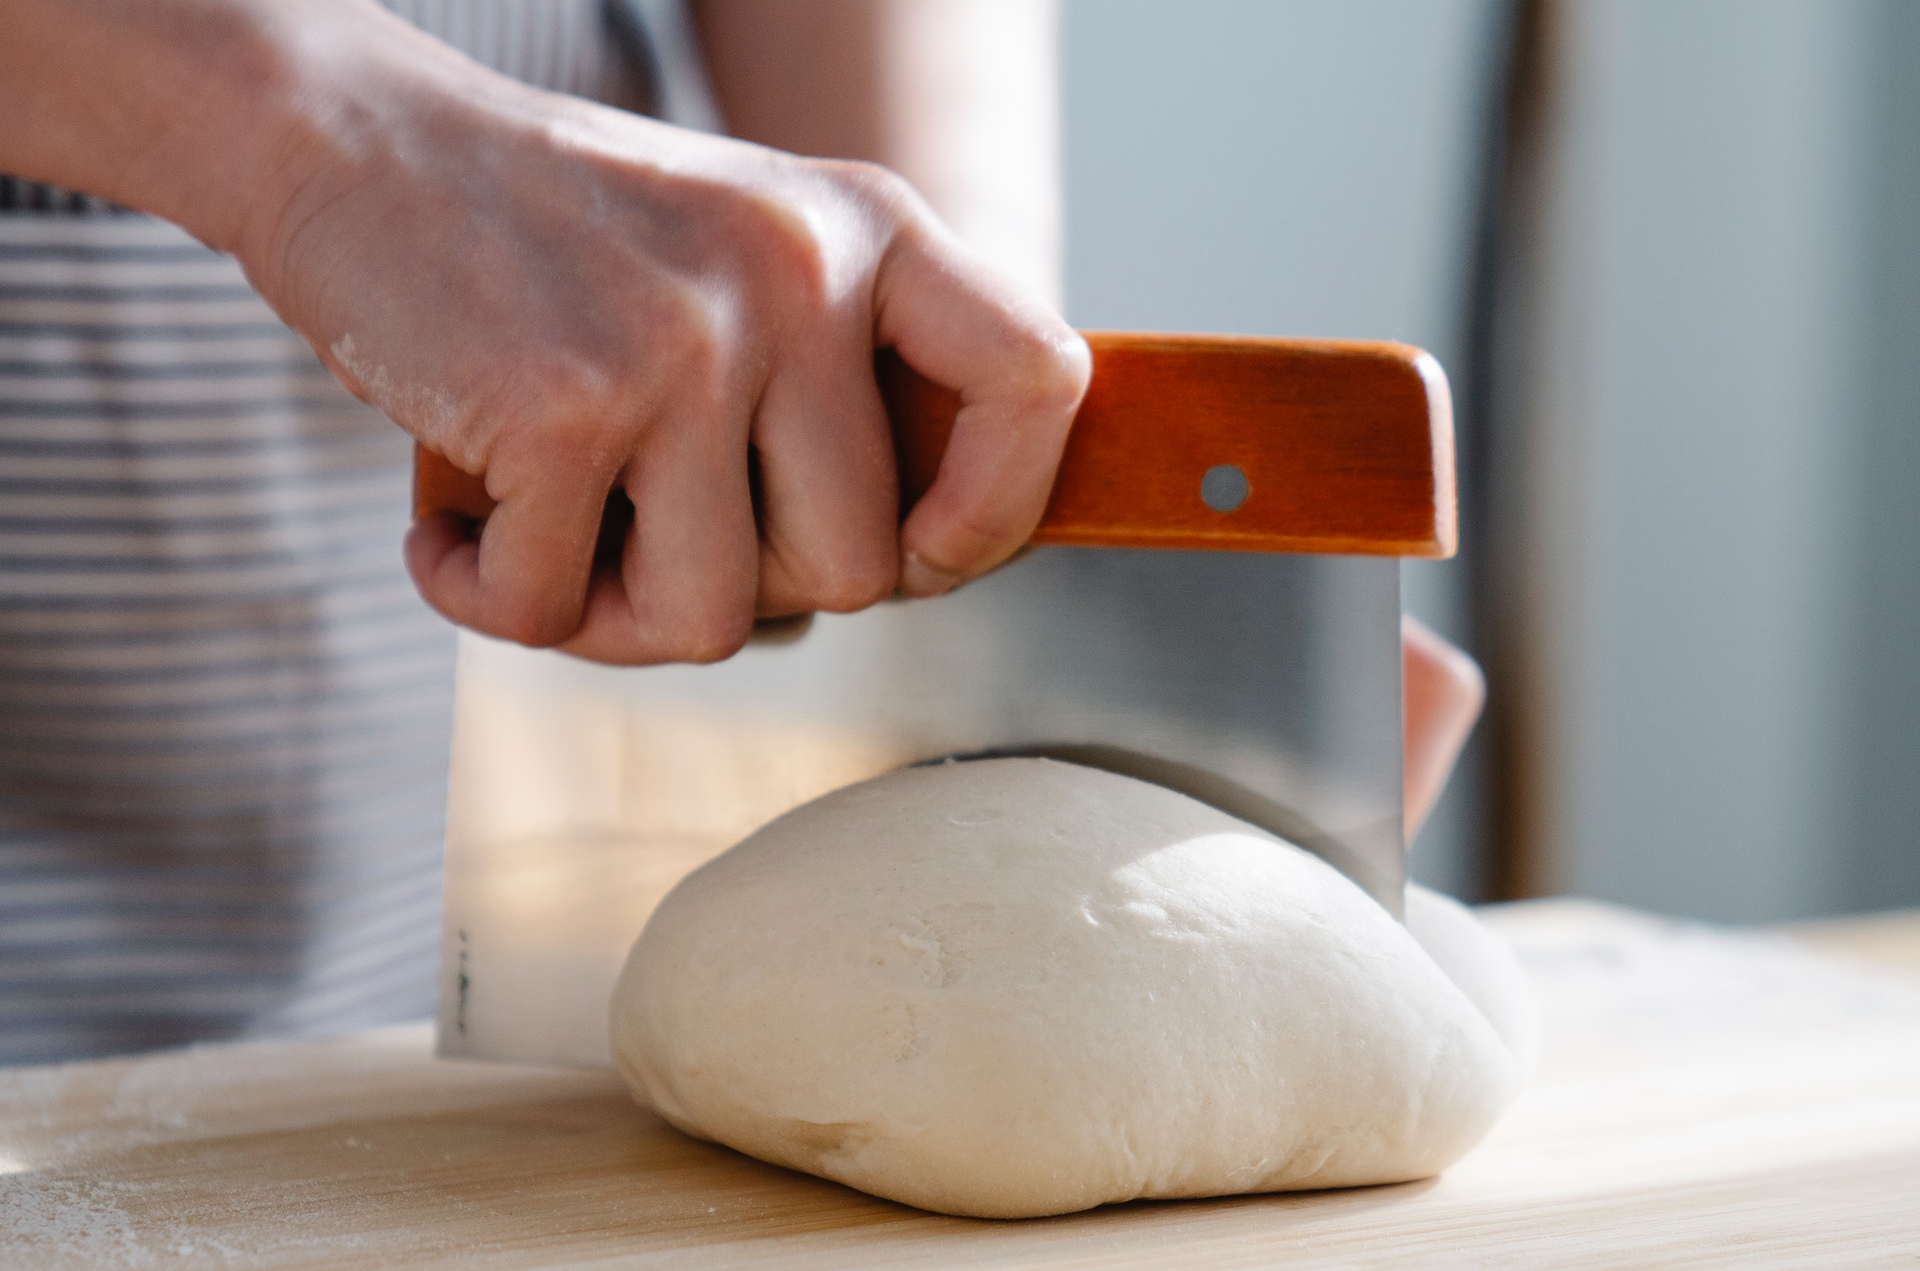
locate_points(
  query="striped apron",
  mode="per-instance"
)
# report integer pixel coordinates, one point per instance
(223, 711)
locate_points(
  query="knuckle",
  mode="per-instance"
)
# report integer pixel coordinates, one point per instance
(712, 637)
(556, 383)
(686, 336)
(1051, 370)
(790, 251)
(853, 585)
(557, 412)
(974, 534)
(523, 620)
(877, 186)
(573, 385)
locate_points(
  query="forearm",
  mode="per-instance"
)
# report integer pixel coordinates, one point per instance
(958, 96)
(199, 111)
(569, 300)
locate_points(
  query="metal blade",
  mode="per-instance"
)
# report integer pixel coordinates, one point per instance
(1266, 685)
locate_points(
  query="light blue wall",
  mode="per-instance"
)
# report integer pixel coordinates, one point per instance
(1741, 706)
(1270, 166)
(1720, 418)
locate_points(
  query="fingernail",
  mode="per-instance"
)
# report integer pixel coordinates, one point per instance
(917, 578)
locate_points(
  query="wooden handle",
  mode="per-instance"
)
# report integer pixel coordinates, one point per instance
(1200, 442)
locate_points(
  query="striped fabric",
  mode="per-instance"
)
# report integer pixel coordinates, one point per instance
(223, 711)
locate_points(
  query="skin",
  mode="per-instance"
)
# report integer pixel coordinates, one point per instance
(960, 97)
(1445, 692)
(572, 300)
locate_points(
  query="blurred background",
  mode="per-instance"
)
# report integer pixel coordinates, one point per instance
(1670, 252)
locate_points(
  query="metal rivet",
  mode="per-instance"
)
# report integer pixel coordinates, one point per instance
(1224, 488)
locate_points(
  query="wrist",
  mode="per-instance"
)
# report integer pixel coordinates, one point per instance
(199, 111)
(278, 100)
(354, 99)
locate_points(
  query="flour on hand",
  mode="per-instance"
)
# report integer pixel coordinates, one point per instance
(428, 413)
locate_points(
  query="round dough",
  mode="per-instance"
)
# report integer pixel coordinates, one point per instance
(1015, 987)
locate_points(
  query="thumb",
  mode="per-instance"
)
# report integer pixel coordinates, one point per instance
(1019, 371)
(1444, 691)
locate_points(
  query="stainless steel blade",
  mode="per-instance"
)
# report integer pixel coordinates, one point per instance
(1267, 685)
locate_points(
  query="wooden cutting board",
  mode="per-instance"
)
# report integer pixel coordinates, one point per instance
(1707, 1098)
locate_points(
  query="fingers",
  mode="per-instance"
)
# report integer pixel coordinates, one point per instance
(829, 500)
(1020, 372)
(1444, 691)
(684, 587)
(773, 363)
(678, 587)
(525, 578)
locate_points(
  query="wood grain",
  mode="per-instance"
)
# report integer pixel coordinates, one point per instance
(1706, 1099)
(1346, 447)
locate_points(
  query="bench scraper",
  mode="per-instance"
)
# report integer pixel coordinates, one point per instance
(1235, 636)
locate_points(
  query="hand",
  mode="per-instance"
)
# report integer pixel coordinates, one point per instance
(1444, 693)
(573, 300)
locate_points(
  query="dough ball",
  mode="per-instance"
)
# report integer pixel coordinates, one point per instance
(1480, 966)
(1009, 988)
